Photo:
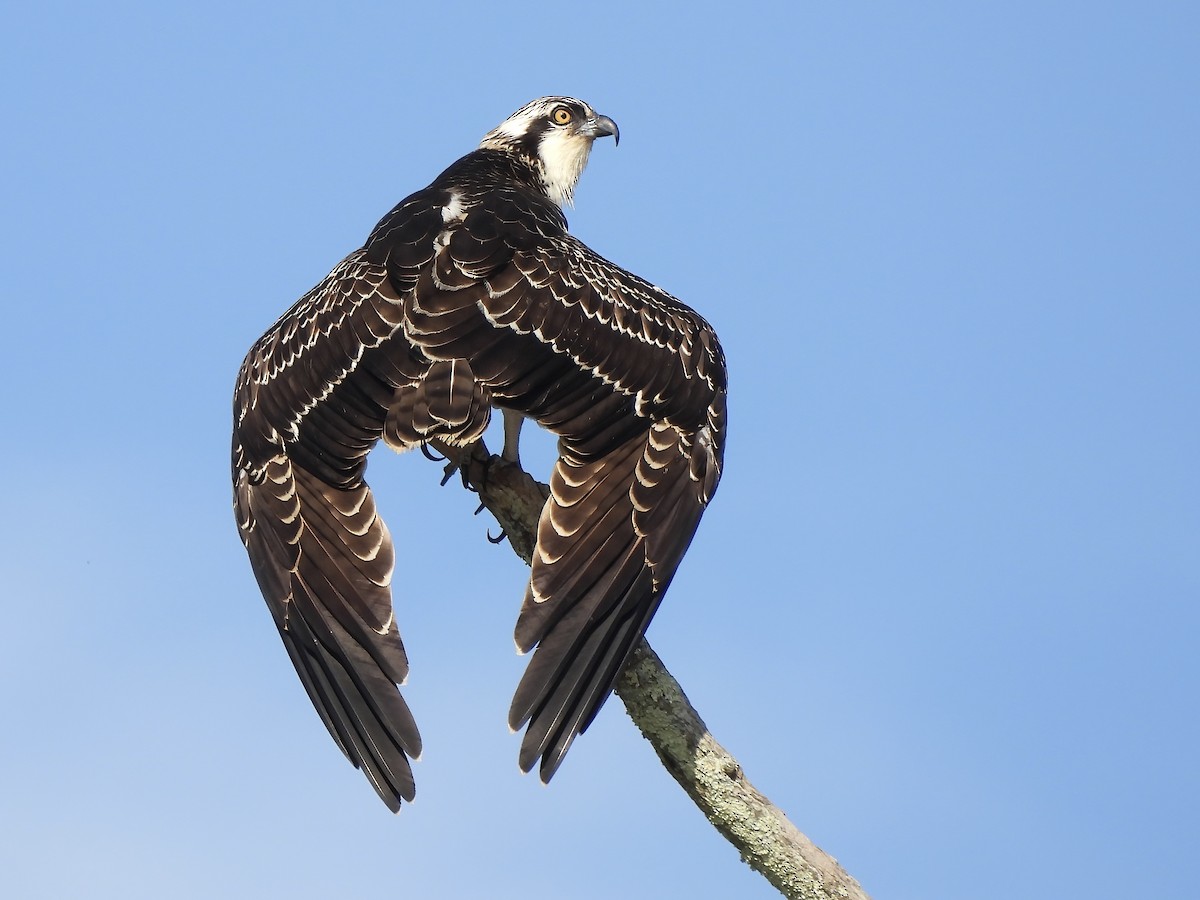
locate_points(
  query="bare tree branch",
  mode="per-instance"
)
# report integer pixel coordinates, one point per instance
(762, 834)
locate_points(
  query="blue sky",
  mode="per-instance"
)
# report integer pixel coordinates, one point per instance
(944, 606)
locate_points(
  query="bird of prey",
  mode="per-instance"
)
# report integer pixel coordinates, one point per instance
(468, 295)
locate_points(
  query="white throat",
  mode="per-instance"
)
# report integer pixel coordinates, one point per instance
(564, 155)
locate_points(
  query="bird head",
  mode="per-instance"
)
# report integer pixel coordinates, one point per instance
(555, 134)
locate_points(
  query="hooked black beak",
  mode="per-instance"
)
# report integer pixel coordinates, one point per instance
(602, 126)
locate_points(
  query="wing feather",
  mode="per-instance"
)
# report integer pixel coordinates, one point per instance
(610, 539)
(310, 403)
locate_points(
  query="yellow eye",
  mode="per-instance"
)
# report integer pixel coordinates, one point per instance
(561, 115)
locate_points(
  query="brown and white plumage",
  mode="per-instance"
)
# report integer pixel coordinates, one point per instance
(469, 295)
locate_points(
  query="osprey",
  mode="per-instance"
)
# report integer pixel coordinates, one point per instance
(469, 295)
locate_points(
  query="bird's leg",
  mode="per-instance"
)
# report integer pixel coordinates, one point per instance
(512, 435)
(458, 456)
(471, 461)
(501, 484)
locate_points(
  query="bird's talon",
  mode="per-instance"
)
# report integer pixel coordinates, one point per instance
(498, 538)
(430, 455)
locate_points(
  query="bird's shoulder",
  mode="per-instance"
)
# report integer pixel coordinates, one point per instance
(490, 226)
(488, 195)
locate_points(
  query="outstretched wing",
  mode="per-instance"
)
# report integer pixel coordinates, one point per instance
(633, 382)
(609, 542)
(311, 399)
